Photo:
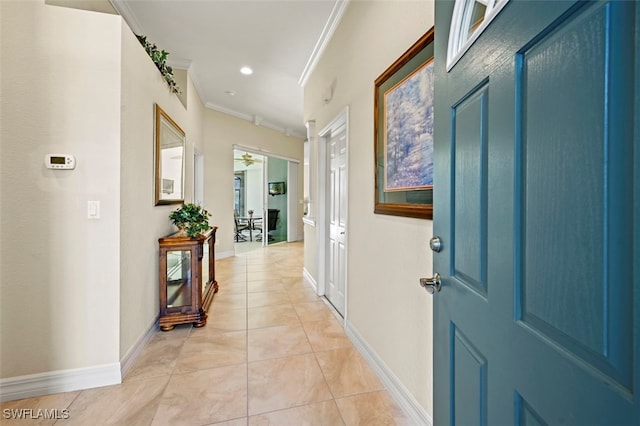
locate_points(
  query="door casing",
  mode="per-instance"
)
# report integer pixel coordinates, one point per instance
(342, 119)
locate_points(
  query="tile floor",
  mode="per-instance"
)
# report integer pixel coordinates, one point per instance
(272, 353)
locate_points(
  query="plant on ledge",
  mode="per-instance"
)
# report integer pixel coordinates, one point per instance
(192, 218)
(159, 57)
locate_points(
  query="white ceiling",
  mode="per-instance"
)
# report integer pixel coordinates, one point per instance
(279, 39)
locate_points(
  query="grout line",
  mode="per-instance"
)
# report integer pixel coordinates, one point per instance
(333, 396)
(246, 329)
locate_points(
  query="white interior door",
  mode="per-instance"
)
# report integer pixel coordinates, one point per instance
(336, 217)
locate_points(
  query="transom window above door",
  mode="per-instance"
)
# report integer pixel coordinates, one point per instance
(469, 20)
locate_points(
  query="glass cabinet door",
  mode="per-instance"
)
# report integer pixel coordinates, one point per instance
(178, 278)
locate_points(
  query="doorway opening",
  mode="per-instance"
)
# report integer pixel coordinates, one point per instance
(265, 203)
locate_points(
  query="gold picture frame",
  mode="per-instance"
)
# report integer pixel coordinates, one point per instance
(169, 159)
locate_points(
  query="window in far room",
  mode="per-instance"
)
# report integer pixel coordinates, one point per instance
(238, 192)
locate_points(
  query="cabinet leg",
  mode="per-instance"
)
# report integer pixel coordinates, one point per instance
(167, 327)
(200, 324)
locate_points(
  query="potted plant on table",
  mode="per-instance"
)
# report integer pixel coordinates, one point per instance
(191, 218)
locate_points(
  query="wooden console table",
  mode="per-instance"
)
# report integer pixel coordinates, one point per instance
(186, 287)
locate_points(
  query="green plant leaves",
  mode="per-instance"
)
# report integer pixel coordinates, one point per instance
(193, 218)
(159, 57)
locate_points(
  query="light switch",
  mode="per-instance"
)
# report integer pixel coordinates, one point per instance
(93, 209)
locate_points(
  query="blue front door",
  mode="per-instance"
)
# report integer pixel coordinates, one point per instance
(537, 202)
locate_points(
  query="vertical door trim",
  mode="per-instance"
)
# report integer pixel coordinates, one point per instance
(342, 119)
(265, 201)
(198, 176)
(321, 214)
(292, 201)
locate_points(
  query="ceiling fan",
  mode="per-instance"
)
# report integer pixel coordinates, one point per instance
(247, 159)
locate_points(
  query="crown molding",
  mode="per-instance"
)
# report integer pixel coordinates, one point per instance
(327, 32)
(127, 14)
(229, 111)
(252, 118)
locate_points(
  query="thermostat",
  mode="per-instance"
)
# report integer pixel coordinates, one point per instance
(60, 161)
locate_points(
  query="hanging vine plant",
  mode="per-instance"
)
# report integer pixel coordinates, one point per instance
(159, 57)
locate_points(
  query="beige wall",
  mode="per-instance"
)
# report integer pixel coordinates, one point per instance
(60, 271)
(77, 292)
(221, 132)
(142, 223)
(387, 254)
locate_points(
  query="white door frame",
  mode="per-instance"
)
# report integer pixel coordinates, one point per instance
(324, 135)
(292, 201)
(265, 201)
(198, 176)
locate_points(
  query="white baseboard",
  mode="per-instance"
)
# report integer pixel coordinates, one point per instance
(397, 390)
(59, 381)
(309, 278)
(76, 379)
(130, 357)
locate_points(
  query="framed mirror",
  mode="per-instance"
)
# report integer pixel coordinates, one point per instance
(169, 165)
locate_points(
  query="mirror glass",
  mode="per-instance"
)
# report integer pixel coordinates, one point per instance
(169, 151)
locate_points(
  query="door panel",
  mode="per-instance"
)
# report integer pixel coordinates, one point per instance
(469, 381)
(536, 167)
(526, 415)
(574, 192)
(337, 197)
(552, 189)
(469, 145)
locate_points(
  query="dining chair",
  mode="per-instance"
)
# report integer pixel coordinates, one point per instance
(239, 227)
(256, 226)
(272, 222)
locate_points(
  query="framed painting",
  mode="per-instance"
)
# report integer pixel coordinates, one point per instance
(403, 133)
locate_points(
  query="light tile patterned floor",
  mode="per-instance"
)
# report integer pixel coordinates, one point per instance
(272, 353)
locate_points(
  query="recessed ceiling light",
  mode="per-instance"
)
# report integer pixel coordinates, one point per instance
(246, 70)
(230, 92)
